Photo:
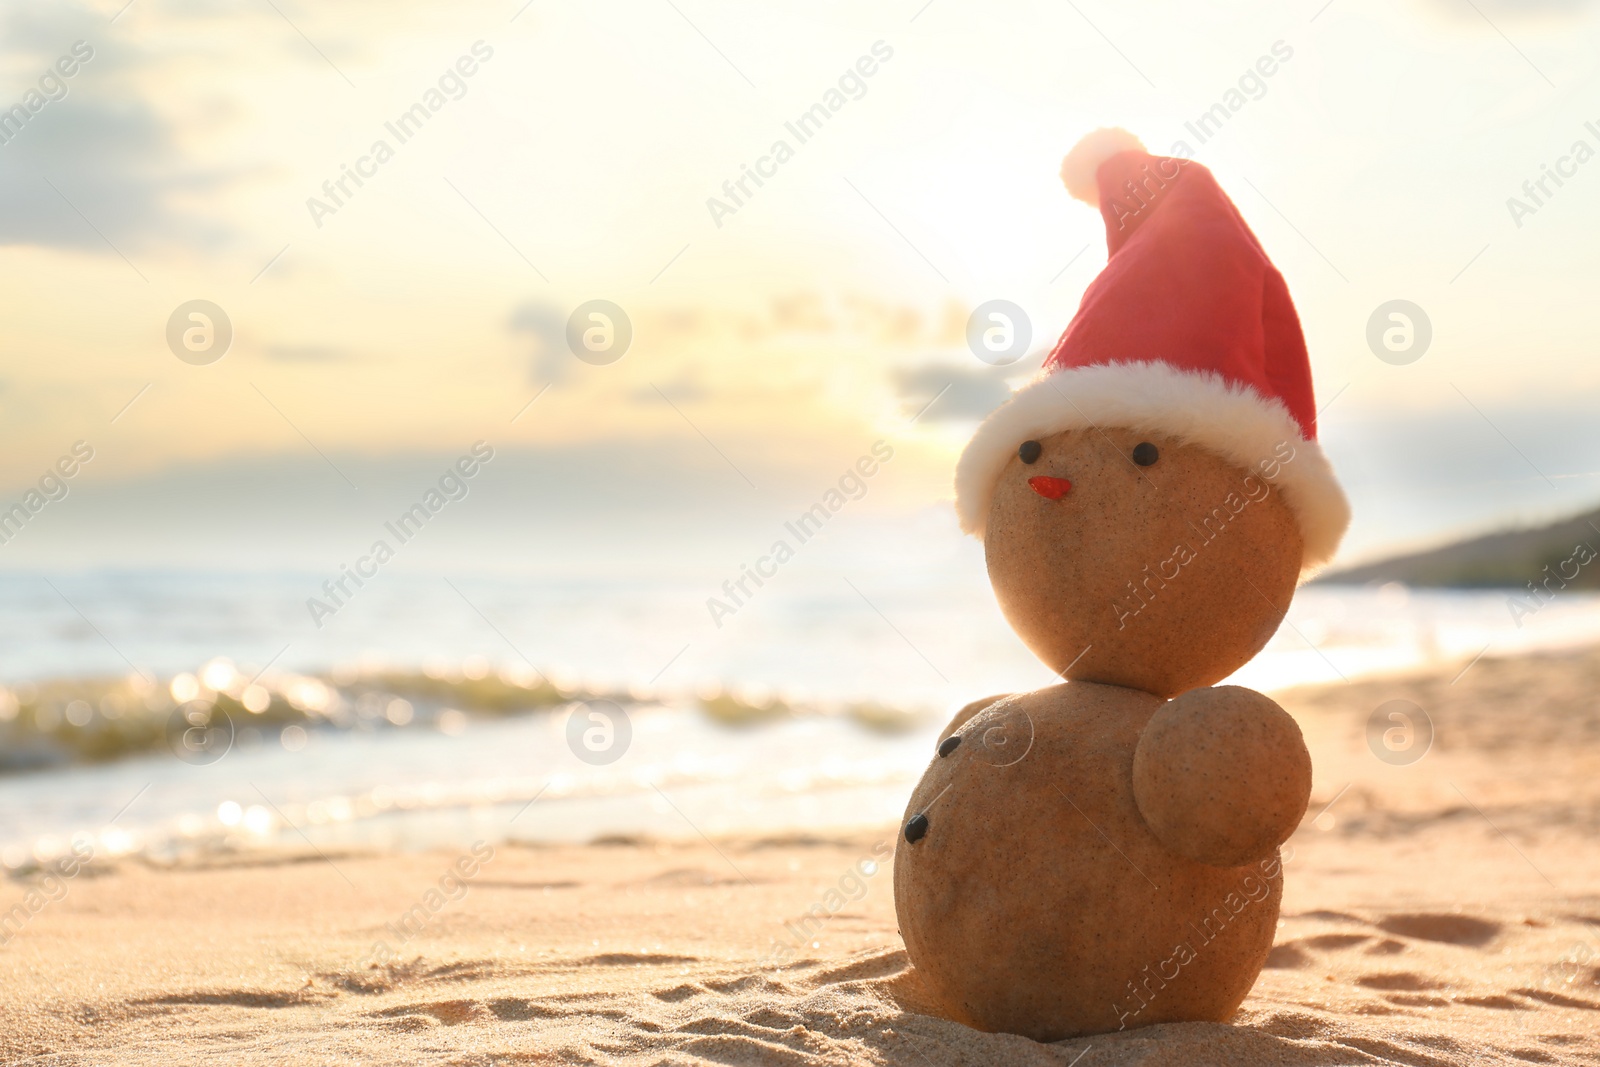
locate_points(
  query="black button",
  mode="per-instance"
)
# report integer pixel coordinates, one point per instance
(1145, 453)
(916, 828)
(949, 745)
(1030, 451)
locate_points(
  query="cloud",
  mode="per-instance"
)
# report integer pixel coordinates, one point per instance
(305, 354)
(616, 502)
(546, 327)
(958, 392)
(685, 389)
(1514, 10)
(97, 165)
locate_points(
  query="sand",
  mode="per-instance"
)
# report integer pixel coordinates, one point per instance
(1441, 912)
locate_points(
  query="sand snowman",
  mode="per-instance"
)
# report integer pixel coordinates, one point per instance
(1103, 853)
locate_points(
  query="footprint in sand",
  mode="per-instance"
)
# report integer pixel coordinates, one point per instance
(1334, 942)
(1449, 929)
(448, 1012)
(1297, 954)
(1288, 956)
(521, 1009)
(1403, 980)
(242, 998)
(632, 959)
(679, 992)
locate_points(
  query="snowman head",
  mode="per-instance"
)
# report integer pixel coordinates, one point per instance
(1131, 558)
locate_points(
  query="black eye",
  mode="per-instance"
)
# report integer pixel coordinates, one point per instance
(1145, 453)
(1030, 450)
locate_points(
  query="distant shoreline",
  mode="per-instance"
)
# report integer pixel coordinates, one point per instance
(1554, 556)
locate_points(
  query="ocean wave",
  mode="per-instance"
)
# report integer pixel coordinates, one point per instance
(193, 713)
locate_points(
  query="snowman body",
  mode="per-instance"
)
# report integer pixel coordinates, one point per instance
(1037, 900)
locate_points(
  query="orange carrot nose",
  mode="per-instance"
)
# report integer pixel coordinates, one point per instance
(1050, 488)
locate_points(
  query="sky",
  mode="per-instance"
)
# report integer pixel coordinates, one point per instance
(379, 333)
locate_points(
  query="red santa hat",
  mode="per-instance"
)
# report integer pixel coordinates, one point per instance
(1188, 332)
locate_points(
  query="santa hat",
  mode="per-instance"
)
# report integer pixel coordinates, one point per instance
(1189, 332)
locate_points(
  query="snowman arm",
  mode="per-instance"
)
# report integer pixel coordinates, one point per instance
(968, 712)
(1222, 775)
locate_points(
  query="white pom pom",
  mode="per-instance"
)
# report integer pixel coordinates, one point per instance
(1079, 167)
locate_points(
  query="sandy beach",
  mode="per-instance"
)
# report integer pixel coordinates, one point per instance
(504, 506)
(1439, 911)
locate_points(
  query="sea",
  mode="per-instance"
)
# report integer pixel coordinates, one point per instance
(919, 643)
